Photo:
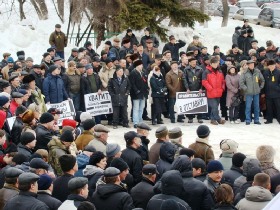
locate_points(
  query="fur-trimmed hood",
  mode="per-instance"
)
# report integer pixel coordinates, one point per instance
(204, 140)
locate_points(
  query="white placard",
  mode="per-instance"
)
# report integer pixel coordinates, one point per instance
(67, 109)
(98, 104)
(192, 103)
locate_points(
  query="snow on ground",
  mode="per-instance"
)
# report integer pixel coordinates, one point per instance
(15, 37)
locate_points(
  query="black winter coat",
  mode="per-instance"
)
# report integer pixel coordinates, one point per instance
(113, 197)
(38, 79)
(225, 207)
(244, 44)
(25, 201)
(272, 83)
(193, 78)
(22, 149)
(153, 38)
(133, 40)
(139, 86)
(195, 192)
(16, 130)
(144, 150)
(135, 163)
(50, 201)
(174, 49)
(43, 136)
(60, 187)
(157, 200)
(231, 175)
(166, 155)
(119, 92)
(157, 86)
(142, 193)
(124, 51)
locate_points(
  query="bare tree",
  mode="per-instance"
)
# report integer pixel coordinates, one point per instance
(60, 6)
(21, 11)
(41, 8)
(225, 13)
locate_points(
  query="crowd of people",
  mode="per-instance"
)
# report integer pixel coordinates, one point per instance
(45, 165)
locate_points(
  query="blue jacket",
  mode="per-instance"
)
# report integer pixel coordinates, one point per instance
(54, 90)
(82, 161)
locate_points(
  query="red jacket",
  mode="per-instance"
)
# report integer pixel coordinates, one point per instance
(13, 107)
(214, 82)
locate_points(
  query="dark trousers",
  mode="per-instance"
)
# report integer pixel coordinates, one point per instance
(171, 102)
(120, 111)
(60, 54)
(242, 108)
(233, 113)
(145, 112)
(214, 105)
(272, 104)
(191, 116)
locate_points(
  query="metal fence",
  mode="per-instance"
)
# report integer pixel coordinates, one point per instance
(92, 38)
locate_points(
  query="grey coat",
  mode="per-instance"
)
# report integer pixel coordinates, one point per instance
(250, 83)
(256, 198)
(232, 83)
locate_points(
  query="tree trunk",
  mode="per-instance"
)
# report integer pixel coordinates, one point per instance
(225, 13)
(37, 9)
(60, 7)
(43, 7)
(100, 30)
(21, 11)
(202, 9)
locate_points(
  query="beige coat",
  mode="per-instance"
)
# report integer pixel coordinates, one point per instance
(98, 145)
(105, 75)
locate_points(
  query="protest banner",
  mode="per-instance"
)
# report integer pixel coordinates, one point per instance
(192, 103)
(98, 104)
(67, 109)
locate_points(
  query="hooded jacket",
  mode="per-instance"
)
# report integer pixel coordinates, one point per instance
(113, 197)
(82, 161)
(172, 188)
(93, 173)
(251, 166)
(256, 198)
(166, 154)
(195, 193)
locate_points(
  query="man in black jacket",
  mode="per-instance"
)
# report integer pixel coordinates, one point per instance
(193, 75)
(147, 36)
(139, 91)
(195, 193)
(37, 73)
(18, 125)
(26, 199)
(131, 155)
(173, 47)
(144, 191)
(45, 188)
(119, 89)
(171, 188)
(112, 195)
(44, 131)
(235, 171)
(143, 130)
(272, 91)
(91, 83)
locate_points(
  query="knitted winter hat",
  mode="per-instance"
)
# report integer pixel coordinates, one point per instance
(203, 131)
(214, 165)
